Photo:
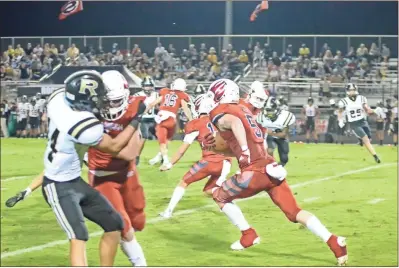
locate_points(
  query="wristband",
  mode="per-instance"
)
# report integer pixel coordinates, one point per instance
(28, 191)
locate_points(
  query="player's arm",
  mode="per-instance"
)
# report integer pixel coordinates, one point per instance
(303, 112)
(186, 110)
(153, 104)
(129, 152)
(36, 183)
(281, 133)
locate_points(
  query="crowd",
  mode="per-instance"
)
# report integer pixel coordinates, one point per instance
(201, 64)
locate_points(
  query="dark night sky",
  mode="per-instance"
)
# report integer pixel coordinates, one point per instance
(137, 18)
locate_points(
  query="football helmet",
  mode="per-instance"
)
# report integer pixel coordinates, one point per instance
(148, 85)
(351, 91)
(179, 84)
(200, 89)
(117, 95)
(223, 91)
(271, 108)
(257, 95)
(85, 91)
(310, 100)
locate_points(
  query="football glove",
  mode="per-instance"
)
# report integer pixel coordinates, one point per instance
(208, 141)
(12, 201)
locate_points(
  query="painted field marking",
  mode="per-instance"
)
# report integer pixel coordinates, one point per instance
(311, 199)
(375, 201)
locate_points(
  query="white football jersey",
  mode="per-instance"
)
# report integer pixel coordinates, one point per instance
(148, 100)
(23, 109)
(70, 134)
(380, 112)
(42, 104)
(284, 107)
(34, 110)
(284, 119)
(354, 109)
(310, 111)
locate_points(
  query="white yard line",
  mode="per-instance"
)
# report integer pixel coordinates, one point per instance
(375, 201)
(190, 211)
(16, 178)
(311, 199)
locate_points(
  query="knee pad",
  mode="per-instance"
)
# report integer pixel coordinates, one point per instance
(138, 221)
(113, 223)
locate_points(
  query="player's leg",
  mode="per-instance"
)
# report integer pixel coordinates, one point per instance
(282, 197)
(64, 199)
(283, 150)
(362, 131)
(198, 171)
(307, 125)
(99, 210)
(314, 131)
(170, 125)
(271, 145)
(161, 133)
(134, 201)
(243, 185)
(380, 132)
(25, 127)
(218, 174)
(395, 132)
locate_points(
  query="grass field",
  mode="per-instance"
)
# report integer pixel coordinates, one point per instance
(351, 194)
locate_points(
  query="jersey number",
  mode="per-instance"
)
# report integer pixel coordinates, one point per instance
(170, 100)
(356, 113)
(257, 131)
(53, 143)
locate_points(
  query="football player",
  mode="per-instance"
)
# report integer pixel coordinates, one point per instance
(116, 177)
(310, 113)
(381, 116)
(393, 127)
(73, 112)
(355, 105)
(212, 165)
(259, 172)
(199, 90)
(255, 99)
(170, 100)
(147, 125)
(277, 123)
(34, 119)
(283, 104)
(22, 111)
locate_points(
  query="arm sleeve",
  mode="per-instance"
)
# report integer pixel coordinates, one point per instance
(88, 131)
(190, 138)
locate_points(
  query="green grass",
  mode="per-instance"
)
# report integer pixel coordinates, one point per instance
(203, 237)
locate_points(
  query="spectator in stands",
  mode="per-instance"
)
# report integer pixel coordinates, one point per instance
(362, 51)
(229, 48)
(73, 52)
(323, 50)
(61, 52)
(267, 52)
(28, 49)
(82, 60)
(243, 58)
(46, 67)
(171, 49)
(304, 51)
(328, 58)
(135, 50)
(203, 48)
(339, 60)
(36, 67)
(25, 72)
(5, 58)
(287, 56)
(212, 58)
(291, 72)
(351, 53)
(276, 59)
(115, 48)
(250, 52)
(46, 50)
(38, 50)
(92, 61)
(215, 71)
(257, 55)
(159, 50)
(10, 51)
(18, 51)
(118, 58)
(193, 55)
(385, 51)
(102, 63)
(53, 50)
(374, 52)
(4, 75)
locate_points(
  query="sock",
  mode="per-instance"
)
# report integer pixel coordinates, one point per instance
(317, 228)
(165, 159)
(233, 212)
(176, 197)
(134, 252)
(225, 172)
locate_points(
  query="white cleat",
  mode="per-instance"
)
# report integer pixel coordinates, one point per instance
(237, 245)
(166, 214)
(157, 159)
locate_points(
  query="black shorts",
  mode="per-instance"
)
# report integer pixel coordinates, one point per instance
(380, 125)
(395, 126)
(310, 124)
(34, 122)
(74, 200)
(22, 124)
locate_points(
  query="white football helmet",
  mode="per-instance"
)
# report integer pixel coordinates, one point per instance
(197, 106)
(257, 95)
(179, 84)
(117, 95)
(351, 90)
(223, 91)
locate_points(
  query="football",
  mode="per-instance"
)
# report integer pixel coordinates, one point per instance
(221, 145)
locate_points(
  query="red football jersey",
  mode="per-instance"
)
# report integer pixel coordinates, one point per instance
(204, 126)
(103, 161)
(254, 134)
(171, 100)
(251, 108)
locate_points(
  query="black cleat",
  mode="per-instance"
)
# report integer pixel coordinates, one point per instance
(377, 159)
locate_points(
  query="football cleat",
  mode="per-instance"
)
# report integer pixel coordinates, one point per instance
(248, 239)
(156, 160)
(338, 247)
(166, 214)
